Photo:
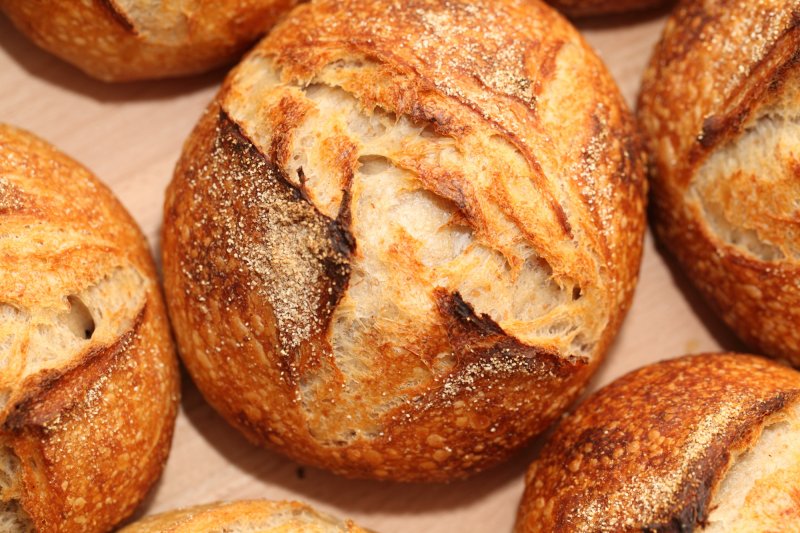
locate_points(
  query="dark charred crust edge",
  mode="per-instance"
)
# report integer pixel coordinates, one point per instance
(717, 129)
(695, 512)
(116, 15)
(57, 392)
(301, 177)
(340, 237)
(478, 337)
(344, 216)
(465, 313)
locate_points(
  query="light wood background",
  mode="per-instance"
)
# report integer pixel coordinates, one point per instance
(130, 136)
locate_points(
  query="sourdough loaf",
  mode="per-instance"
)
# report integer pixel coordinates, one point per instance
(402, 238)
(719, 107)
(705, 443)
(88, 374)
(122, 40)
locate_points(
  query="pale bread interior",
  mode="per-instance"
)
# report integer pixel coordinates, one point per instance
(44, 338)
(761, 491)
(748, 191)
(165, 23)
(12, 518)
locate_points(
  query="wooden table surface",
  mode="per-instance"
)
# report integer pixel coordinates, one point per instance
(130, 135)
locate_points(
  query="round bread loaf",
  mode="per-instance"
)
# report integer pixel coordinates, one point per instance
(123, 40)
(88, 374)
(256, 516)
(719, 107)
(585, 8)
(401, 238)
(702, 443)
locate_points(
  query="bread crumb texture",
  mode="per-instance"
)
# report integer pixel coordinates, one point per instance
(702, 443)
(719, 107)
(404, 234)
(88, 377)
(256, 516)
(123, 40)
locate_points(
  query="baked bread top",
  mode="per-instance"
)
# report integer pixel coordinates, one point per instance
(85, 350)
(248, 516)
(523, 154)
(76, 270)
(123, 40)
(719, 107)
(665, 448)
(407, 208)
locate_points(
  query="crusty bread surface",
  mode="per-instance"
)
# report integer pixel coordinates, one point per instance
(589, 8)
(88, 374)
(699, 443)
(401, 238)
(719, 107)
(249, 516)
(123, 40)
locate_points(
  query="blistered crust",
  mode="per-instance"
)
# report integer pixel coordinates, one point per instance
(244, 517)
(648, 452)
(719, 108)
(356, 216)
(123, 40)
(87, 355)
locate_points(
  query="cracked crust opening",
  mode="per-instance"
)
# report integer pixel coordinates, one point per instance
(761, 491)
(13, 519)
(748, 189)
(36, 340)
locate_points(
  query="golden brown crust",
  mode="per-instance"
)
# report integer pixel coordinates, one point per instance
(588, 8)
(242, 517)
(723, 78)
(123, 40)
(430, 385)
(88, 421)
(647, 452)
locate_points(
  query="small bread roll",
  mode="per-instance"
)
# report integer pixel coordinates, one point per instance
(701, 443)
(123, 40)
(719, 107)
(402, 255)
(585, 8)
(256, 516)
(88, 373)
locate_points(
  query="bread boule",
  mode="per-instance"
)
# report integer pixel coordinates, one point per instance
(702, 443)
(718, 107)
(124, 40)
(401, 238)
(88, 373)
(248, 516)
